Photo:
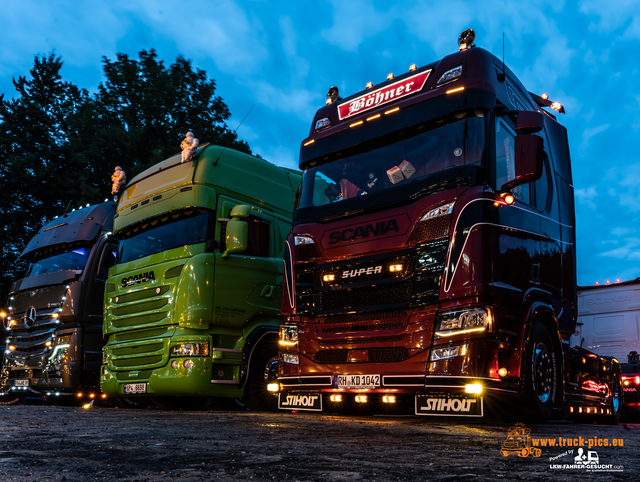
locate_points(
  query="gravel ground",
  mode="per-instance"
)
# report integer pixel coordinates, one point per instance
(47, 443)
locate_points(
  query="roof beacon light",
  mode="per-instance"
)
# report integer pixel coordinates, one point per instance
(465, 41)
(332, 94)
(545, 96)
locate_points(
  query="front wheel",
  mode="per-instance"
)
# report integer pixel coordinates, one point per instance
(541, 374)
(263, 369)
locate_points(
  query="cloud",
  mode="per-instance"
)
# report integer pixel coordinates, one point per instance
(629, 251)
(587, 196)
(353, 22)
(587, 134)
(279, 155)
(298, 102)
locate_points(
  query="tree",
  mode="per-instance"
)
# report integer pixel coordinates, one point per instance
(59, 145)
(34, 152)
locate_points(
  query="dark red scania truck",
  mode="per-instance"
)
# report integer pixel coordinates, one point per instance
(432, 260)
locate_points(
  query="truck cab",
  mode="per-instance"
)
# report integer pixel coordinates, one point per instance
(432, 257)
(54, 321)
(192, 304)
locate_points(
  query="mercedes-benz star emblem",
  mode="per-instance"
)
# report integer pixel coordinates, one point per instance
(30, 316)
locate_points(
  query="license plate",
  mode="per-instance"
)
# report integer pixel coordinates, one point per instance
(444, 405)
(300, 401)
(357, 381)
(22, 383)
(135, 388)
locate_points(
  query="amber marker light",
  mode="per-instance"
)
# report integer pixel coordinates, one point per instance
(328, 277)
(390, 76)
(458, 89)
(361, 398)
(556, 106)
(508, 198)
(356, 123)
(104, 395)
(545, 96)
(412, 67)
(336, 397)
(373, 117)
(56, 315)
(388, 399)
(11, 348)
(272, 387)
(47, 343)
(502, 372)
(369, 85)
(79, 394)
(473, 388)
(396, 109)
(395, 267)
(309, 142)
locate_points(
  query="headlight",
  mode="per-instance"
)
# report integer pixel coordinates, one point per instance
(190, 349)
(439, 211)
(448, 352)
(290, 358)
(289, 335)
(463, 321)
(298, 240)
(449, 75)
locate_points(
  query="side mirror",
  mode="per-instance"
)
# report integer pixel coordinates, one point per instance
(529, 154)
(237, 235)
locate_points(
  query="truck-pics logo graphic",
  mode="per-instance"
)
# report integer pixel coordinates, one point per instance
(384, 95)
(519, 443)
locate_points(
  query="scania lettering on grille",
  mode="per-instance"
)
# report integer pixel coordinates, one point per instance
(377, 229)
(301, 401)
(139, 278)
(353, 273)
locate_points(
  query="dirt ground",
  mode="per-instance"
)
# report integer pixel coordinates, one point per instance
(47, 443)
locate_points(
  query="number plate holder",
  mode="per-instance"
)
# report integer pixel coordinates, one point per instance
(21, 383)
(132, 388)
(357, 381)
(449, 405)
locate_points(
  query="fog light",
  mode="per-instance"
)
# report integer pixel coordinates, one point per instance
(328, 277)
(502, 372)
(272, 387)
(104, 395)
(389, 399)
(580, 410)
(336, 397)
(79, 394)
(174, 364)
(571, 409)
(473, 388)
(188, 363)
(361, 398)
(395, 267)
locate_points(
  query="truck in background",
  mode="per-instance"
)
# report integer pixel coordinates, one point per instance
(432, 259)
(192, 304)
(609, 325)
(54, 321)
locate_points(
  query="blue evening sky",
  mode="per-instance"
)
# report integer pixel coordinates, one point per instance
(282, 56)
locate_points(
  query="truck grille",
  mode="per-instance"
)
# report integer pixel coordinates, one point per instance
(431, 229)
(376, 355)
(30, 340)
(368, 270)
(138, 355)
(353, 341)
(365, 296)
(143, 308)
(372, 326)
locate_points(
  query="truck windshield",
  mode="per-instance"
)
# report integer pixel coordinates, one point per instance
(62, 261)
(168, 231)
(400, 165)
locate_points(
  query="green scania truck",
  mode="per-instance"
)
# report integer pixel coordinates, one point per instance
(192, 303)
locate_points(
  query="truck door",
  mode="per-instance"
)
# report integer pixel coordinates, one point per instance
(246, 283)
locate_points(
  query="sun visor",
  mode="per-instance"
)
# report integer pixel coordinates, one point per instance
(83, 225)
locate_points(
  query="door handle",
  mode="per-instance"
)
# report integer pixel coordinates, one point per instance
(268, 291)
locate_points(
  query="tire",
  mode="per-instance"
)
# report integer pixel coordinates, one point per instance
(617, 400)
(263, 369)
(541, 375)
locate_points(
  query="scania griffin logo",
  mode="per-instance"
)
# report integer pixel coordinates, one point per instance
(30, 316)
(139, 278)
(377, 229)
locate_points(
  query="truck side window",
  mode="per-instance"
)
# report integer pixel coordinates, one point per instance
(505, 161)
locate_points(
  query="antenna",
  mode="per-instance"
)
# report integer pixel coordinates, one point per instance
(247, 115)
(64, 214)
(501, 76)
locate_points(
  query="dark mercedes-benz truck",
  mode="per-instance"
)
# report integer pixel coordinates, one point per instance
(54, 319)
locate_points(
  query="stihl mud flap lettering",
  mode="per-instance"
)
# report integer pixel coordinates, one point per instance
(300, 401)
(449, 406)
